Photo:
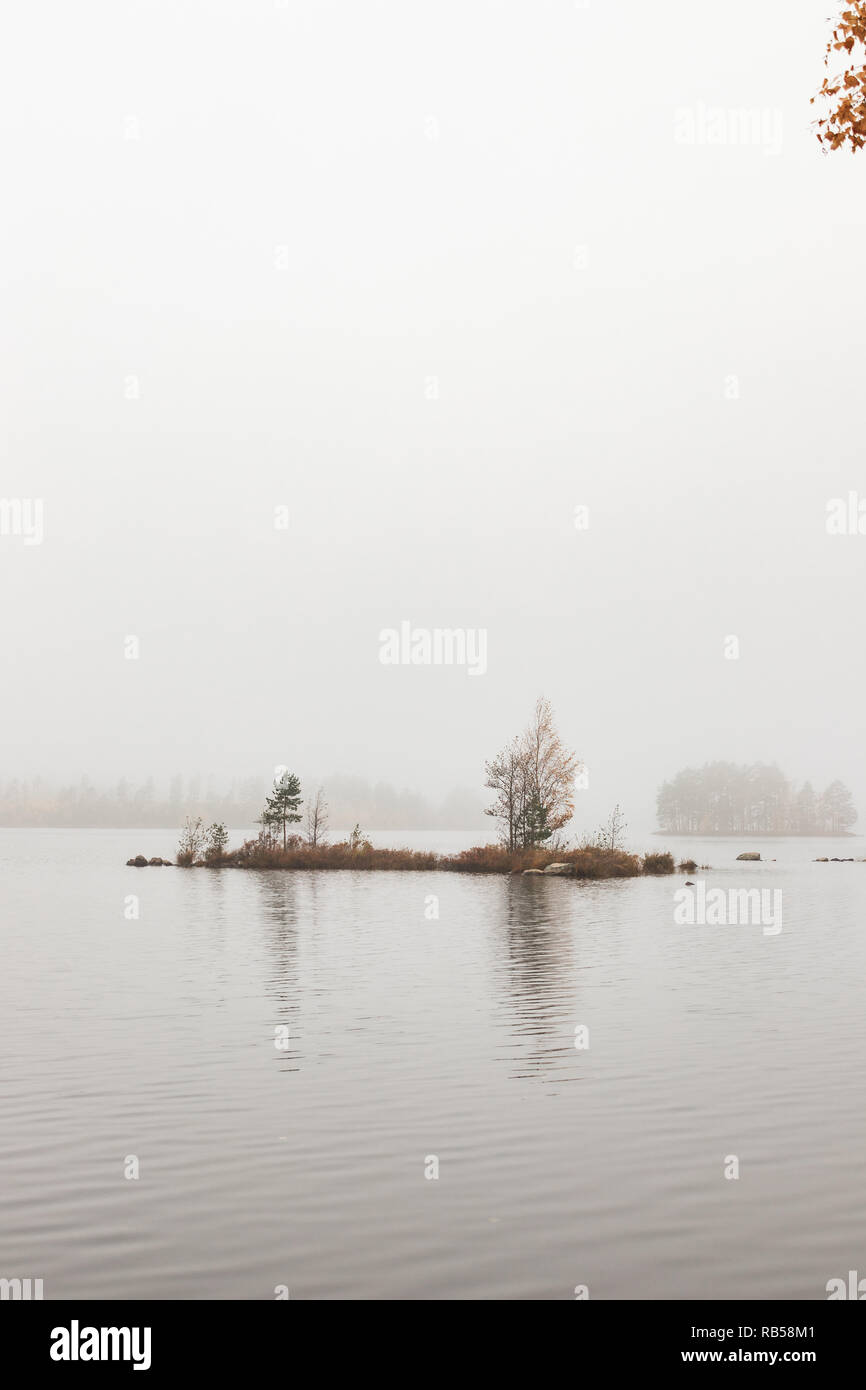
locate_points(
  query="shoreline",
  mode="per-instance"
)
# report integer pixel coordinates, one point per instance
(757, 835)
(588, 863)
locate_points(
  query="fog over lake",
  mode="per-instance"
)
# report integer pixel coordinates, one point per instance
(411, 413)
(323, 319)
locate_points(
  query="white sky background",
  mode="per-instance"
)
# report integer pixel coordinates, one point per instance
(257, 127)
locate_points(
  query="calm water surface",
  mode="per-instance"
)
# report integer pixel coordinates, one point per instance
(410, 1038)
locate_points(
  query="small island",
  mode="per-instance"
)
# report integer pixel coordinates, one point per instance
(200, 848)
(533, 779)
(751, 800)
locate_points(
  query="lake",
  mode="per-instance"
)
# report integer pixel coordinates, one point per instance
(283, 1058)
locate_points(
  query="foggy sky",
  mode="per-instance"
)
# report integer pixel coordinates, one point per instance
(245, 243)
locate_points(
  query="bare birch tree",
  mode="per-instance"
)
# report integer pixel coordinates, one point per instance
(316, 819)
(506, 776)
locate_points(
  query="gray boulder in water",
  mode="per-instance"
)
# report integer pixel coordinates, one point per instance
(560, 869)
(752, 854)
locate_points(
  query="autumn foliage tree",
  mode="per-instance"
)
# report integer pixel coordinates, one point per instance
(846, 122)
(533, 778)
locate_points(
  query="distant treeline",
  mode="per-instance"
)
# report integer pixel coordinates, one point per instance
(378, 806)
(726, 798)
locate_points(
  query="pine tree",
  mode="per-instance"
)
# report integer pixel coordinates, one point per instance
(282, 805)
(536, 830)
(806, 809)
(837, 808)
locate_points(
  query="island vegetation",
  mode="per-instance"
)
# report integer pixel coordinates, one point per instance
(532, 780)
(731, 799)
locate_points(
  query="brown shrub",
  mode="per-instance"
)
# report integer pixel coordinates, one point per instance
(589, 862)
(592, 862)
(659, 863)
(493, 859)
(253, 855)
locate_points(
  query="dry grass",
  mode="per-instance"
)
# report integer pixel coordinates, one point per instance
(662, 863)
(252, 855)
(588, 862)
